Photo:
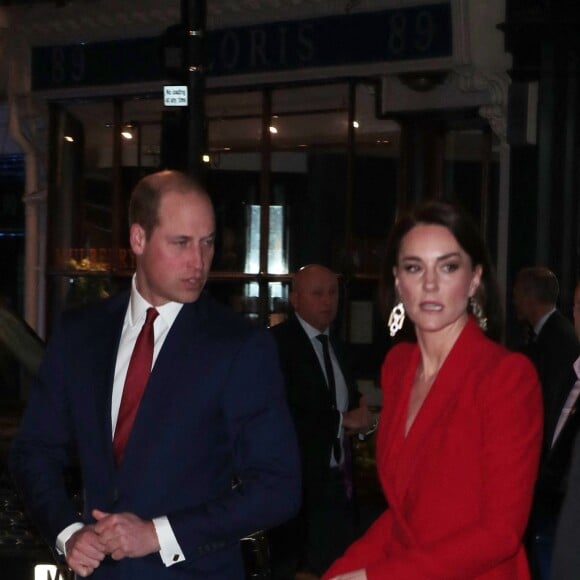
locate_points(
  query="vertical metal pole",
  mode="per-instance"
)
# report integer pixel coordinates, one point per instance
(265, 186)
(193, 18)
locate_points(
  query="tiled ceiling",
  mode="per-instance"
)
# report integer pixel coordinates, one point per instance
(55, 22)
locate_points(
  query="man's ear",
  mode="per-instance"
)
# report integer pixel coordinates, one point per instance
(137, 239)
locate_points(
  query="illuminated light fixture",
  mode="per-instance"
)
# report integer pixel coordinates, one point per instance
(126, 133)
(273, 130)
(69, 138)
(205, 158)
(355, 124)
(383, 141)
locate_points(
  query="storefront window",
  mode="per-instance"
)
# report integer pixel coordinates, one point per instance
(297, 175)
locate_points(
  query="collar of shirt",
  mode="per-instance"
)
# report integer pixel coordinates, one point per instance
(540, 324)
(138, 309)
(309, 329)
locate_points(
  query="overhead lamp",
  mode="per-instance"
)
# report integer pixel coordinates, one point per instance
(273, 130)
(69, 138)
(355, 124)
(206, 158)
(126, 132)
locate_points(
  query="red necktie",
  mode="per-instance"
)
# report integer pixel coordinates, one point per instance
(137, 376)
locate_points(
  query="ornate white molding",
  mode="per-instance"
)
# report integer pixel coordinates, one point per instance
(495, 85)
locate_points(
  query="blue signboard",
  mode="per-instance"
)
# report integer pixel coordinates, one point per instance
(411, 33)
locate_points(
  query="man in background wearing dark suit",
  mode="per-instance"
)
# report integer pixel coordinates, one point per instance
(562, 422)
(552, 345)
(325, 405)
(566, 554)
(173, 406)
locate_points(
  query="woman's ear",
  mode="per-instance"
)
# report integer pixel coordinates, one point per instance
(395, 278)
(476, 280)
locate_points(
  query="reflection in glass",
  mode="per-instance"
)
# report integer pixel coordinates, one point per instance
(277, 249)
(278, 302)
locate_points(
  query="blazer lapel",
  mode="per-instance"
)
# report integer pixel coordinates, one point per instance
(438, 402)
(104, 356)
(307, 355)
(553, 414)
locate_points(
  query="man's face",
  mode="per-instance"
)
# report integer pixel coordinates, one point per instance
(315, 296)
(174, 263)
(577, 310)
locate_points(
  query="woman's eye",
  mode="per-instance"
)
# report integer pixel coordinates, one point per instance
(452, 267)
(411, 268)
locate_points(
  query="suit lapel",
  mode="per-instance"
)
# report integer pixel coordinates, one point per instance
(306, 353)
(553, 413)
(437, 404)
(104, 355)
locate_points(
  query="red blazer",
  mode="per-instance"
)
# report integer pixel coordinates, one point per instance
(459, 485)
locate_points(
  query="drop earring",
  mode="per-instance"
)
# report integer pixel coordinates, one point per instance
(477, 311)
(396, 318)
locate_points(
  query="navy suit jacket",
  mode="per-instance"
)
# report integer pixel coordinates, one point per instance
(553, 353)
(212, 448)
(555, 460)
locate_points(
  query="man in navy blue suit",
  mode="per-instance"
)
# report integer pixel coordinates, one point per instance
(211, 455)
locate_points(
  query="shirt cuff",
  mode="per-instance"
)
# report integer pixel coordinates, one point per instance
(170, 550)
(65, 535)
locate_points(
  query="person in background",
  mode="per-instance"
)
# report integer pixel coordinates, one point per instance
(565, 562)
(461, 422)
(552, 345)
(173, 406)
(326, 407)
(560, 429)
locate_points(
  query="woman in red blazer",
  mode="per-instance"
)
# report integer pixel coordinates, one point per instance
(459, 435)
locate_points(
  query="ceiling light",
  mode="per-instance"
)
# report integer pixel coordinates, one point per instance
(355, 124)
(206, 158)
(69, 138)
(273, 129)
(126, 134)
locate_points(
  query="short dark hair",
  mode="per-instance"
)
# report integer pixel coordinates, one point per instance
(539, 282)
(467, 234)
(147, 194)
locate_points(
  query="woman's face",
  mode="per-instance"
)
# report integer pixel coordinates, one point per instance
(434, 277)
